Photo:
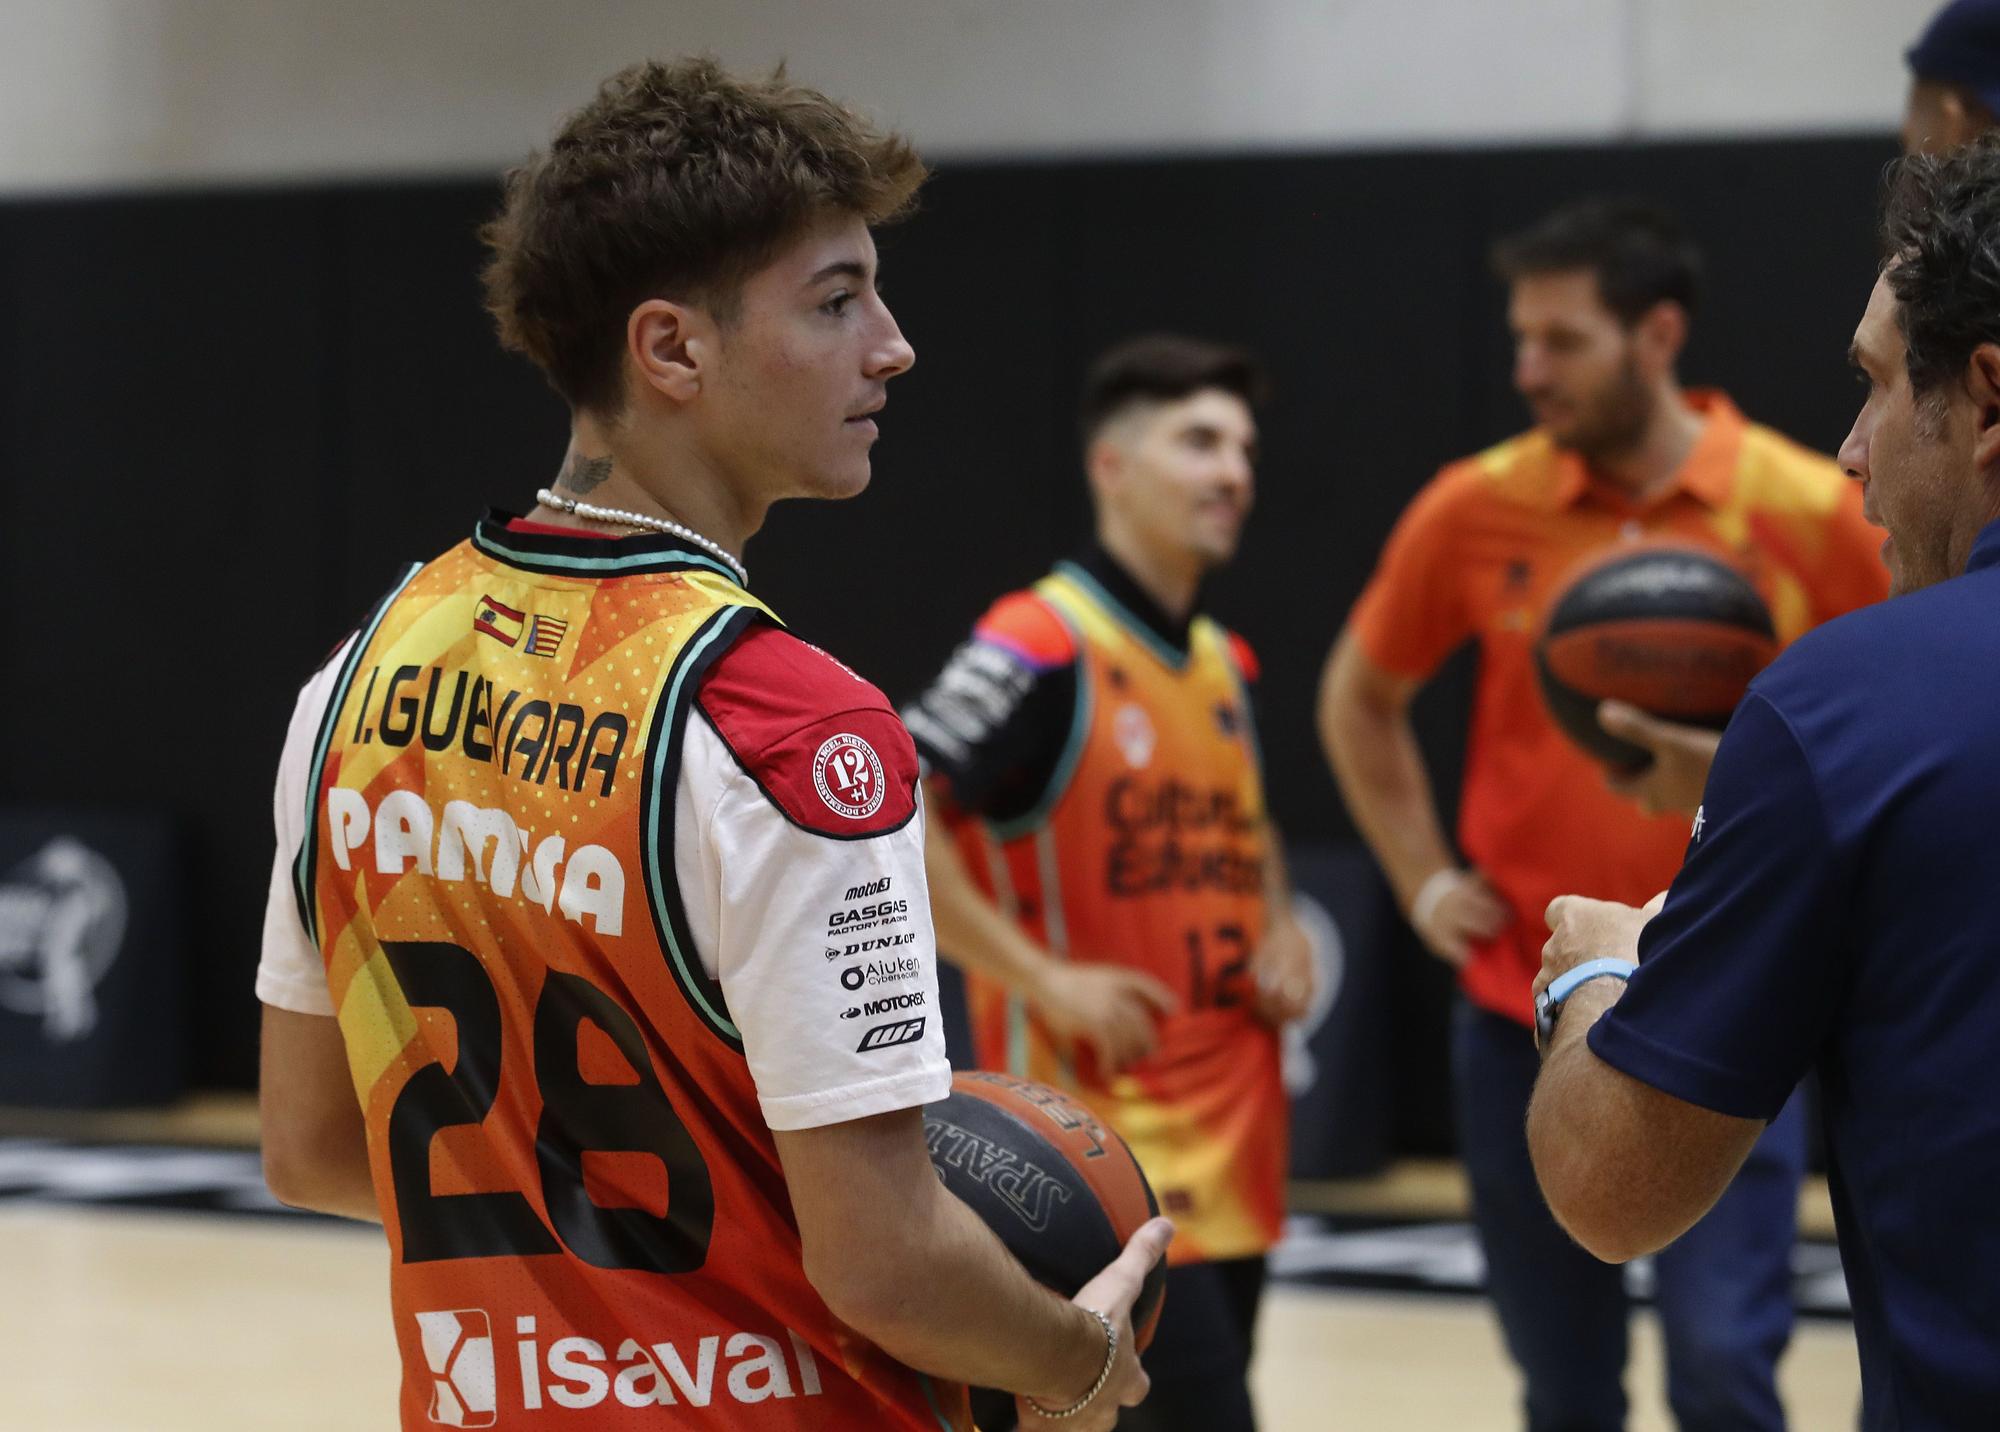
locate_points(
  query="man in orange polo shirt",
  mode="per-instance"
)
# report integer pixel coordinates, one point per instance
(1601, 294)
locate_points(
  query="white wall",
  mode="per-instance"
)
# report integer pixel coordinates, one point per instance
(119, 92)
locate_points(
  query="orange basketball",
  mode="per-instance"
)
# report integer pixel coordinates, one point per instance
(1674, 631)
(1061, 1190)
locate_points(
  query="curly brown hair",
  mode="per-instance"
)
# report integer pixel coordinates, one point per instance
(1941, 257)
(678, 180)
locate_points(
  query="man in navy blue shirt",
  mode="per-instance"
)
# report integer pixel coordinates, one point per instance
(1840, 904)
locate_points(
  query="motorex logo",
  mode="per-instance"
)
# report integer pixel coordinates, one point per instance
(458, 1346)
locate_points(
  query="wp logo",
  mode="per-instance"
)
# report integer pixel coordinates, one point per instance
(458, 1346)
(888, 1036)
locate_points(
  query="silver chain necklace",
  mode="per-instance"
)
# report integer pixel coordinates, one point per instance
(550, 498)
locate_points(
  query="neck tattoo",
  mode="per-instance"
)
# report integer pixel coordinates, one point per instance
(584, 475)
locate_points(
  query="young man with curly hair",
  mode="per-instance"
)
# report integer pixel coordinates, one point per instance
(566, 827)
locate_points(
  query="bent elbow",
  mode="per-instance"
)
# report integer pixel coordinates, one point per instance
(1607, 1244)
(882, 1305)
(292, 1179)
(851, 1291)
(302, 1172)
(1605, 1231)
(1577, 1185)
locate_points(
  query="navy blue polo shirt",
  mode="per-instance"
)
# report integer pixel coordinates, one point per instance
(1840, 910)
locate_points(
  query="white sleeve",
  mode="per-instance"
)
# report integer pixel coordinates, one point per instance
(823, 947)
(290, 973)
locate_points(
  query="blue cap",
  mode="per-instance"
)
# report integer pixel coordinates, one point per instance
(1962, 47)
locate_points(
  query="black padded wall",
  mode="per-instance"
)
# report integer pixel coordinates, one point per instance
(225, 417)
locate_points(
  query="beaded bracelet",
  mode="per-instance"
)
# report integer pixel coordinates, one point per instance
(1110, 1361)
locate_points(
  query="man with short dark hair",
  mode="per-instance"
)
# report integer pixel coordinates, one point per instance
(1116, 891)
(1600, 298)
(1954, 78)
(563, 828)
(1836, 908)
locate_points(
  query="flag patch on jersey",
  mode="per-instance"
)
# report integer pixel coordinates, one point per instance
(545, 635)
(499, 621)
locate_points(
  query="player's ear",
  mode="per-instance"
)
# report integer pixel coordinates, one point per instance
(1982, 385)
(666, 343)
(1103, 465)
(1664, 331)
(1956, 122)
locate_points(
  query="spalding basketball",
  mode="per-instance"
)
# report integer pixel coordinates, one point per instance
(1674, 631)
(1061, 1190)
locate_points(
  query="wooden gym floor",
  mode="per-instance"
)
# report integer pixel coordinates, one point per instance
(129, 1321)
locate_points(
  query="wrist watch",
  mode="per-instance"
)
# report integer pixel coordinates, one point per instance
(1549, 1003)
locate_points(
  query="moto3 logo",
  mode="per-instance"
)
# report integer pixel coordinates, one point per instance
(888, 1036)
(458, 1346)
(62, 923)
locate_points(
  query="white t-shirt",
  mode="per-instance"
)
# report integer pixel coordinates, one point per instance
(759, 890)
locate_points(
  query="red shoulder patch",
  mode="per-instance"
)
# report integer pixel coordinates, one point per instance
(1246, 658)
(1029, 627)
(823, 745)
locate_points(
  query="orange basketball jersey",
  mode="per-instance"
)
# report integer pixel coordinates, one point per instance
(587, 1221)
(1149, 850)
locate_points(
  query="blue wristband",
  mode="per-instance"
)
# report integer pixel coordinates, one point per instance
(1549, 1003)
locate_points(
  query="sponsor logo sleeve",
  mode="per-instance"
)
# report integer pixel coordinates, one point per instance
(814, 860)
(290, 973)
(994, 722)
(824, 945)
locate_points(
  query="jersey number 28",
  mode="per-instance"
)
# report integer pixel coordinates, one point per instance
(577, 1117)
